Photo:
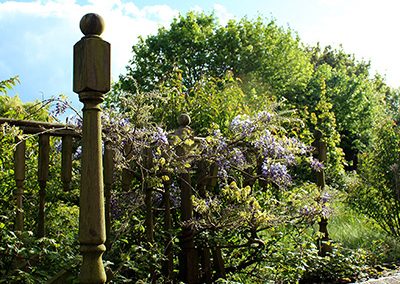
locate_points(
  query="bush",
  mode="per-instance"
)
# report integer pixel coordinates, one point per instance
(375, 190)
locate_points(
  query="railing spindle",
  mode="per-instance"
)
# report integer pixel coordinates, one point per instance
(19, 175)
(43, 173)
(66, 162)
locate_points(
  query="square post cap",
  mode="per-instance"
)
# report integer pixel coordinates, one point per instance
(92, 57)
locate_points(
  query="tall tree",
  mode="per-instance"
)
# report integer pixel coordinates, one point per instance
(198, 46)
(357, 98)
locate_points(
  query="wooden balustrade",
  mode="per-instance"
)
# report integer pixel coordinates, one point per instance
(45, 130)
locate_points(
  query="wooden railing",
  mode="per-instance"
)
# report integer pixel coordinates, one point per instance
(44, 130)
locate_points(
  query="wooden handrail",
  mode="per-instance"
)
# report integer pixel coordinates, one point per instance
(35, 127)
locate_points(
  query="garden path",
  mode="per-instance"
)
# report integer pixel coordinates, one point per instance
(392, 279)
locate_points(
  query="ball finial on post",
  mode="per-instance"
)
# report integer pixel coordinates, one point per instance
(92, 24)
(184, 120)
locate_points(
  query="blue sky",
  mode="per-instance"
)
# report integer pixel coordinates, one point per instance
(37, 36)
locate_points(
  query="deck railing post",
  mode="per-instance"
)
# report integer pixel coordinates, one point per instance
(91, 82)
(43, 173)
(321, 155)
(189, 269)
(19, 175)
(66, 161)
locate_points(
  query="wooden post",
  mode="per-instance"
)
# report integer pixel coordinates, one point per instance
(189, 269)
(19, 175)
(43, 173)
(218, 260)
(203, 181)
(321, 155)
(108, 183)
(91, 82)
(66, 161)
(148, 197)
(169, 257)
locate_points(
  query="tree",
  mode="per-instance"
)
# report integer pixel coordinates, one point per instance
(375, 191)
(357, 99)
(198, 46)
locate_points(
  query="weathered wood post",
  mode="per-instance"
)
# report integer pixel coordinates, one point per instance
(203, 179)
(169, 256)
(189, 269)
(148, 196)
(19, 176)
(219, 264)
(321, 155)
(66, 161)
(43, 173)
(91, 82)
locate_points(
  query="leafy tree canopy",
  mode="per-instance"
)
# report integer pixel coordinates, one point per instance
(198, 46)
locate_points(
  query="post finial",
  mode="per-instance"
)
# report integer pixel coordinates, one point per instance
(92, 24)
(184, 120)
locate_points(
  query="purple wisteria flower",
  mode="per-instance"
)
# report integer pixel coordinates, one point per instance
(276, 149)
(60, 108)
(116, 210)
(160, 137)
(58, 146)
(223, 167)
(326, 211)
(265, 116)
(242, 125)
(308, 211)
(75, 120)
(302, 148)
(325, 197)
(316, 165)
(78, 153)
(277, 173)
(175, 195)
(237, 158)
(266, 143)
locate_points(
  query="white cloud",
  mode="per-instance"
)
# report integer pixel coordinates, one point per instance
(37, 39)
(220, 11)
(222, 14)
(365, 28)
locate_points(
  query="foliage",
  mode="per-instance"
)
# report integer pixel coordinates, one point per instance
(375, 191)
(24, 257)
(318, 115)
(8, 84)
(254, 204)
(342, 265)
(241, 193)
(357, 231)
(198, 46)
(357, 99)
(217, 102)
